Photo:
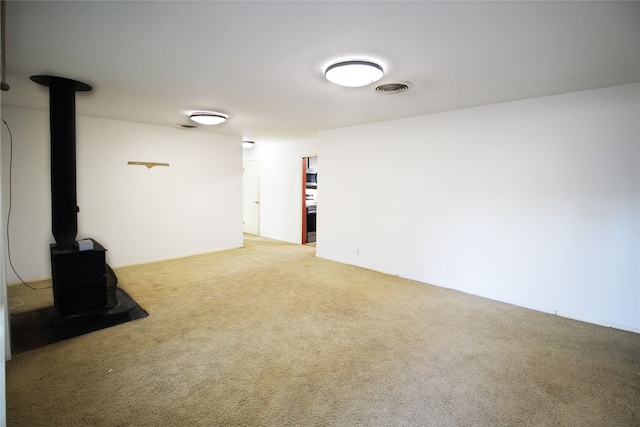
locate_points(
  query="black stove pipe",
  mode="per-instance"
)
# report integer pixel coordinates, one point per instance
(64, 208)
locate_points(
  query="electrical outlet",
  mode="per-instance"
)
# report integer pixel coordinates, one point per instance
(357, 251)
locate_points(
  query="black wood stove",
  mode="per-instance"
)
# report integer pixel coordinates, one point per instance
(83, 283)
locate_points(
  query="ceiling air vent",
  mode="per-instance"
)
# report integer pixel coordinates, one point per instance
(187, 126)
(392, 87)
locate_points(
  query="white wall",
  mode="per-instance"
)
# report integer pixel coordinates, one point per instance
(138, 214)
(534, 202)
(281, 186)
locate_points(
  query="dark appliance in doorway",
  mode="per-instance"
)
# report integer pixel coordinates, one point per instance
(312, 179)
(311, 223)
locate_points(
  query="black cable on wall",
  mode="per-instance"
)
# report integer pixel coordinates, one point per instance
(9, 209)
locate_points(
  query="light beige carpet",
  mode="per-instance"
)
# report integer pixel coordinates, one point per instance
(270, 335)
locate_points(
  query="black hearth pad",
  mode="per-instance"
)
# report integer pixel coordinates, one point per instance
(39, 328)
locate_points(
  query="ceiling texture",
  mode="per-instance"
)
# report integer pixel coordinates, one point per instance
(263, 63)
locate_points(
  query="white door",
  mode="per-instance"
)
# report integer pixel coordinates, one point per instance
(250, 197)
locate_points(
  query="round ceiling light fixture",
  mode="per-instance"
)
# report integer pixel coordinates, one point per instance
(208, 118)
(247, 144)
(354, 73)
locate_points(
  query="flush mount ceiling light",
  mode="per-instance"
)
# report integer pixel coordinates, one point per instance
(208, 118)
(247, 144)
(354, 73)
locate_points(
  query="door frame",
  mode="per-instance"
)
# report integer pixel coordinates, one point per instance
(257, 202)
(304, 200)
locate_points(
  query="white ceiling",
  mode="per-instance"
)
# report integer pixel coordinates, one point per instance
(263, 62)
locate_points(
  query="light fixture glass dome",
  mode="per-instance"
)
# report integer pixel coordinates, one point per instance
(208, 118)
(247, 144)
(354, 73)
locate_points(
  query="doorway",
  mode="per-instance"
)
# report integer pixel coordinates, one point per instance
(250, 197)
(309, 199)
